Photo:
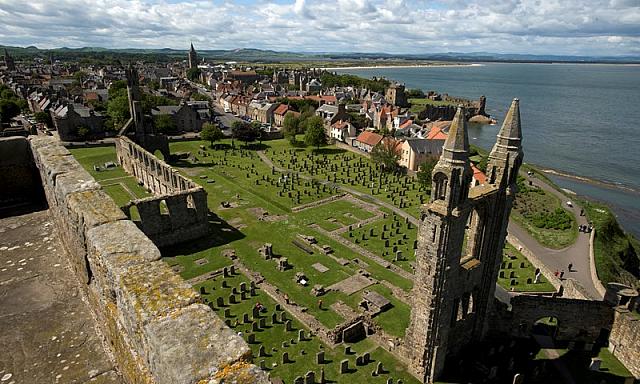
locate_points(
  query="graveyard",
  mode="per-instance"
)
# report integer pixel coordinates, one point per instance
(322, 238)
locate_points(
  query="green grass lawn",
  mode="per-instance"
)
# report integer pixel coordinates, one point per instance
(114, 180)
(512, 262)
(276, 340)
(254, 232)
(394, 231)
(615, 251)
(350, 170)
(418, 104)
(531, 203)
(334, 215)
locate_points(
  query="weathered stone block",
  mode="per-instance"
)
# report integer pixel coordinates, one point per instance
(191, 344)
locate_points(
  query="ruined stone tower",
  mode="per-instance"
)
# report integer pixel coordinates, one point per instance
(460, 241)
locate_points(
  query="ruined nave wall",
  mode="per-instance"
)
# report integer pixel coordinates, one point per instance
(178, 210)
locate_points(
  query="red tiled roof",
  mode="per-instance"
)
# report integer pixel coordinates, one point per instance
(281, 110)
(369, 138)
(437, 130)
(406, 124)
(478, 174)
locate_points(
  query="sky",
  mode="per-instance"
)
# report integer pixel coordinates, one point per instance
(563, 27)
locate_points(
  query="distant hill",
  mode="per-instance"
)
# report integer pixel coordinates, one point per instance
(255, 55)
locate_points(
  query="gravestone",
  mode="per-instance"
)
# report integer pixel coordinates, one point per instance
(232, 299)
(359, 360)
(310, 378)
(263, 364)
(518, 379)
(245, 318)
(262, 322)
(274, 318)
(595, 364)
(254, 326)
(366, 357)
(347, 350)
(283, 317)
(243, 287)
(285, 357)
(379, 369)
(301, 335)
(322, 379)
(261, 351)
(298, 380)
(344, 366)
(225, 284)
(220, 302)
(320, 357)
(243, 295)
(255, 312)
(251, 338)
(287, 325)
(227, 312)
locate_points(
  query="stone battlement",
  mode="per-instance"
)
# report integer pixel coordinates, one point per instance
(154, 323)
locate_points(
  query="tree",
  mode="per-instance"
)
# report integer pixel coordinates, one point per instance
(83, 131)
(200, 97)
(244, 132)
(425, 171)
(314, 135)
(118, 110)
(164, 124)
(211, 133)
(118, 88)
(384, 154)
(193, 74)
(290, 127)
(8, 110)
(43, 118)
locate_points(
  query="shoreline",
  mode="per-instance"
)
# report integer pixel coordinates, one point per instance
(387, 66)
(586, 180)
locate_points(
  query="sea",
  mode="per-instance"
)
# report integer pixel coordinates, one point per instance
(580, 120)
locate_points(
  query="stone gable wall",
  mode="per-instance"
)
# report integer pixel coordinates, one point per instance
(154, 323)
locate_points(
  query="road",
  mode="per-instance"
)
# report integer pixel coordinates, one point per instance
(559, 259)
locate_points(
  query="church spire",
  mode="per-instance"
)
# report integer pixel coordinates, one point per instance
(457, 142)
(511, 126)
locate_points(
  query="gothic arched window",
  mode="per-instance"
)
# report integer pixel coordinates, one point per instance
(440, 182)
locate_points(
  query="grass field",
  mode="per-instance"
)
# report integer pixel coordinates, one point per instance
(514, 262)
(116, 182)
(531, 203)
(259, 208)
(417, 105)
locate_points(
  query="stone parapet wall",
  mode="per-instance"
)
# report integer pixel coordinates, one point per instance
(624, 340)
(178, 210)
(154, 323)
(578, 320)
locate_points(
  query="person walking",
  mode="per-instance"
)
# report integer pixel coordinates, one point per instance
(570, 267)
(561, 274)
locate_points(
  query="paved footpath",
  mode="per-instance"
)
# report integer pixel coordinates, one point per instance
(559, 259)
(555, 259)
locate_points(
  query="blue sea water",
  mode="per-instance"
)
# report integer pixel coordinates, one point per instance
(577, 118)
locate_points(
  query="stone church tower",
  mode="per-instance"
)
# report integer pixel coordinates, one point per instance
(460, 241)
(193, 58)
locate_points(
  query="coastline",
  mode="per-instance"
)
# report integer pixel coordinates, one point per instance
(387, 66)
(586, 180)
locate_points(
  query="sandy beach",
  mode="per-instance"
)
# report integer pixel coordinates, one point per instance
(405, 66)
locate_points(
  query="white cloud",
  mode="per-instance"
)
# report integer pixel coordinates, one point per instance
(588, 27)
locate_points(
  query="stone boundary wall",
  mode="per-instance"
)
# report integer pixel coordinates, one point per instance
(592, 265)
(178, 210)
(154, 323)
(624, 340)
(568, 288)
